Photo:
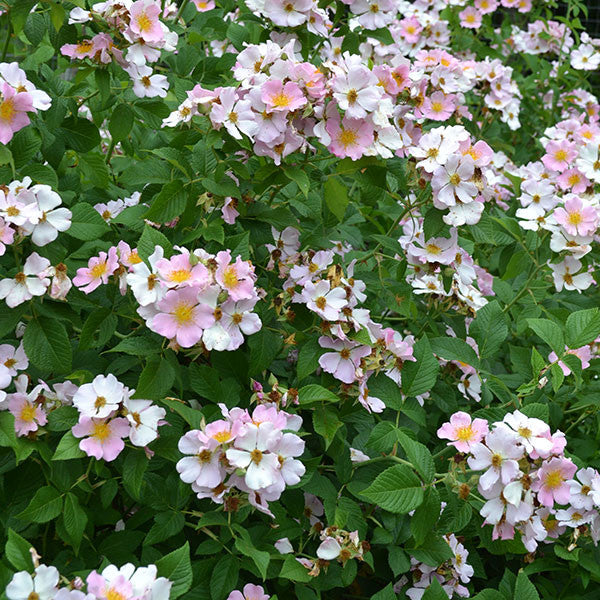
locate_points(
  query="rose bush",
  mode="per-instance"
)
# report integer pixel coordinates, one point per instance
(299, 299)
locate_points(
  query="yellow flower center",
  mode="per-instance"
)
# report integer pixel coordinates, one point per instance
(496, 460)
(455, 179)
(112, 594)
(560, 155)
(433, 249)
(464, 434)
(98, 270)
(230, 279)
(84, 47)
(222, 436)
(144, 24)
(352, 96)
(28, 413)
(102, 431)
(281, 100)
(553, 479)
(183, 313)
(575, 218)
(7, 110)
(256, 456)
(180, 275)
(347, 137)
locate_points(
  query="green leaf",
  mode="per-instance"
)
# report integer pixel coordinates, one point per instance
(102, 79)
(17, 552)
(433, 223)
(156, 379)
(169, 203)
(79, 134)
(426, 515)
(398, 560)
(420, 376)
(95, 169)
(121, 122)
(450, 348)
(336, 197)
(74, 519)
(47, 345)
(524, 589)
(86, 223)
(313, 393)
(57, 15)
(90, 327)
(550, 332)
(383, 437)
(149, 240)
(293, 570)
(489, 594)
(68, 448)
(419, 456)
(19, 13)
(435, 591)
(134, 468)
(45, 505)
(176, 566)
(433, 551)
(308, 358)
(298, 176)
(489, 329)
(224, 578)
(396, 490)
(264, 348)
(261, 559)
(582, 327)
(387, 593)
(326, 423)
(137, 345)
(166, 525)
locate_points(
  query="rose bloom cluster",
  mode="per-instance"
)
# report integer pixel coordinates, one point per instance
(557, 195)
(527, 482)
(135, 38)
(108, 415)
(189, 298)
(124, 583)
(32, 211)
(18, 97)
(451, 575)
(283, 103)
(253, 455)
(429, 261)
(315, 280)
(107, 412)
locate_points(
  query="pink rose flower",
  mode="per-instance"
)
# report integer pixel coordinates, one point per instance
(462, 432)
(105, 436)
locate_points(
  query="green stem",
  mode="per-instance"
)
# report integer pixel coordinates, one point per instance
(6, 42)
(181, 9)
